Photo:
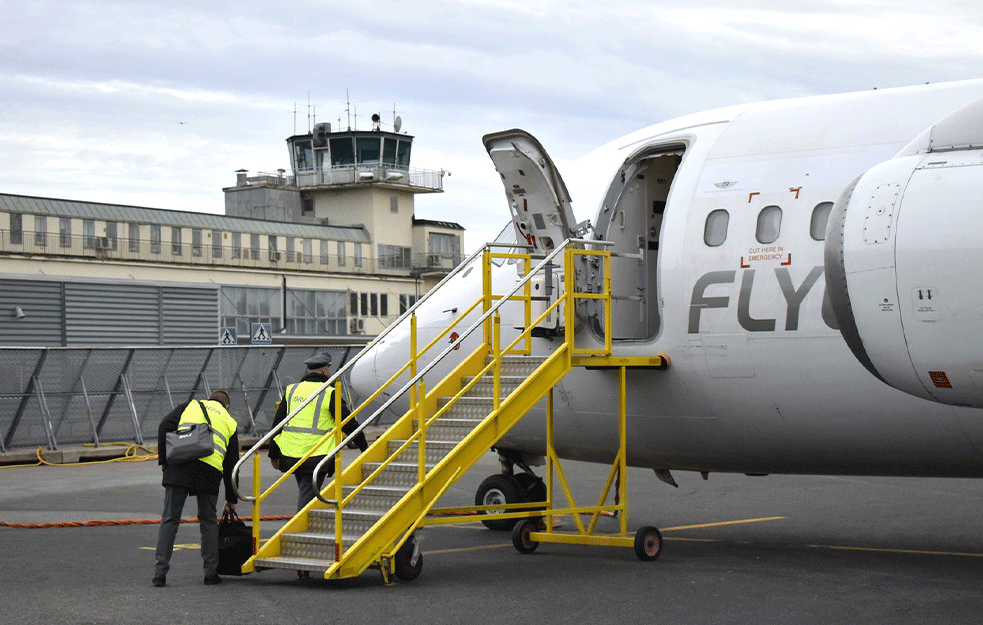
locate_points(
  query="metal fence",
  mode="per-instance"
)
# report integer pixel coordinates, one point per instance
(68, 396)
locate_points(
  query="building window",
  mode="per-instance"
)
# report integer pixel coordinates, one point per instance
(241, 307)
(111, 235)
(176, 241)
(406, 302)
(291, 250)
(358, 254)
(443, 250)
(254, 245)
(65, 231)
(383, 304)
(353, 304)
(769, 224)
(308, 251)
(40, 230)
(134, 243)
(307, 206)
(312, 312)
(341, 253)
(196, 242)
(16, 229)
(236, 245)
(820, 218)
(715, 228)
(216, 244)
(394, 257)
(394, 204)
(324, 253)
(155, 238)
(88, 233)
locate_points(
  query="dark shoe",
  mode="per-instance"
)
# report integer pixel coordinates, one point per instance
(212, 579)
(159, 580)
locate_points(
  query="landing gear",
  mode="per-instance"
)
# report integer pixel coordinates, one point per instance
(501, 489)
(408, 561)
(498, 490)
(648, 543)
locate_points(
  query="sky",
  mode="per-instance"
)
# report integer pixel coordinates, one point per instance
(158, 104)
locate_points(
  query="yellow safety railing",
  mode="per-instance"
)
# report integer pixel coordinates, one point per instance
(489, 321)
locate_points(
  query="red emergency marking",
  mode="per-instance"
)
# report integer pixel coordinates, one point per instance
(795, 190)
(743, 266)
(789, 261)
(453, 339)
(525, 205)
(940, 379)
(750, 197)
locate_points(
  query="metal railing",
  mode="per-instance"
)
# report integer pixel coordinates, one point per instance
(51, 396)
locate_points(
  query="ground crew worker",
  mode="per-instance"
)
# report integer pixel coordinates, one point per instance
(201, 478)
(307, 427)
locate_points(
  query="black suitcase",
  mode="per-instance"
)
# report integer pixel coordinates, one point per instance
(235, 544)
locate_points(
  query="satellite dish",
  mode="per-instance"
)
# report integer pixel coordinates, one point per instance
(397, 124)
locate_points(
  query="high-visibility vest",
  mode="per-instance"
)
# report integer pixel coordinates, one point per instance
(305, 429)
(223, 427)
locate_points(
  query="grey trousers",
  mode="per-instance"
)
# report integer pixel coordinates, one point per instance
(170, 520)
(305, 485)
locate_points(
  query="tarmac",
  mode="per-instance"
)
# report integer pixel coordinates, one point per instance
(778, 549)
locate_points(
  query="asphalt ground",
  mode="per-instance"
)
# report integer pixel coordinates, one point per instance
(779, 549)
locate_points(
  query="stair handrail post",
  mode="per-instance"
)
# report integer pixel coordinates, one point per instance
(486, 294)
(413, 359)
(421, 445)
(608, 322)
(497, 360)
(568, 288)
(528, 307)
(338, 530)
(257, 486)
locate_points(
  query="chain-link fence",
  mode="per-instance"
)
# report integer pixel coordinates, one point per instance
(77, 395)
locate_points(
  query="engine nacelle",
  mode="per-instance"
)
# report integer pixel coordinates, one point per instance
(904, 264)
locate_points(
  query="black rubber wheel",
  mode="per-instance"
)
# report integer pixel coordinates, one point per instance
(648, 543)
(498, 490)
(402, 566)
(533, 488)
(520, 535)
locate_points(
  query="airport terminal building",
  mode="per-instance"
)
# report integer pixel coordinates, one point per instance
(332, 249)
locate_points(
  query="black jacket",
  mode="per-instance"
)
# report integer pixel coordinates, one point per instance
(348, 428)
(196, 476)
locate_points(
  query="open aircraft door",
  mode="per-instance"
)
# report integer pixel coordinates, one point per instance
(538, 198)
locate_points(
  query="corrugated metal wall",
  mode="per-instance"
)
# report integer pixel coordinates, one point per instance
(87, 313)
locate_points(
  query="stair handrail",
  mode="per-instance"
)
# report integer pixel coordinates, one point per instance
(341, 371)
(447, 350)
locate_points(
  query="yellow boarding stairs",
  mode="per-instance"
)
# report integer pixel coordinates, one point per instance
(367, 517)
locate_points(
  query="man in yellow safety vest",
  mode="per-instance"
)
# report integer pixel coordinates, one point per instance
(302, 433)
(201, 478)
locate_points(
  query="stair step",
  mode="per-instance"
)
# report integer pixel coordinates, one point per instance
(436, 450)
(316, 565)
(402, 475)
(519, 365)
(321, 521)
(313, 546)
(376, 498)
(449, 428)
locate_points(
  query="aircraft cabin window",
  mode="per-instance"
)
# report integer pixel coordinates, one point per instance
(820, 217)
(769, 224)
(715, 231)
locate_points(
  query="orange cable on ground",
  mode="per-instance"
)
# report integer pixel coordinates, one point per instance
(119, 522)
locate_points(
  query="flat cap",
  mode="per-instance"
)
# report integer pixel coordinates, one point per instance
(318, 361)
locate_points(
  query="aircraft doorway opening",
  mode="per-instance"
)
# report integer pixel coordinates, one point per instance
(631, 218)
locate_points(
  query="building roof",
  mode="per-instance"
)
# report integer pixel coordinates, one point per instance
(167, 217)
(438, 224)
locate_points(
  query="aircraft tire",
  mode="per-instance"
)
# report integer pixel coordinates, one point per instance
(520, 535)
(648, 543)
(533, 488)
(499, 489)
(403, 567)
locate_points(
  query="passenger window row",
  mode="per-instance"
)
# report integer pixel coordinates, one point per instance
(769, 224)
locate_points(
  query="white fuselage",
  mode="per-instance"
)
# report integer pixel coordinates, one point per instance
(761, 380)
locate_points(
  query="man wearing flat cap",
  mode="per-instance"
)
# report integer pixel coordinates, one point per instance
(306, 428)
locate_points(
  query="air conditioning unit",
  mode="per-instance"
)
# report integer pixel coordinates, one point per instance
(357, 326)
(274, 256)
(102, 243)
(434, 260)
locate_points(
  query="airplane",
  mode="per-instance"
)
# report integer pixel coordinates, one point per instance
(809, 266)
